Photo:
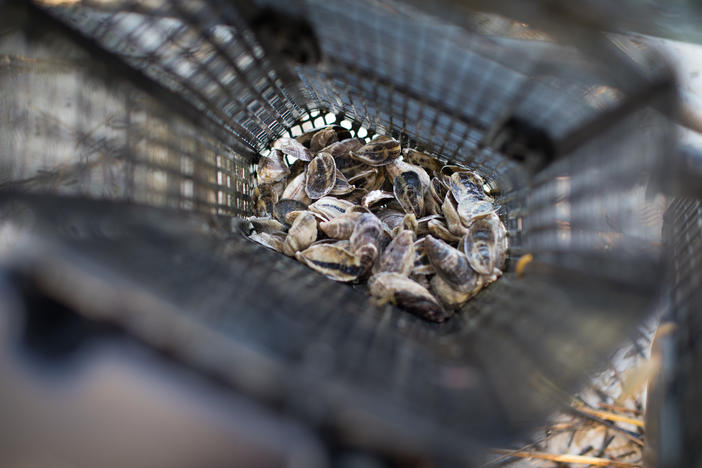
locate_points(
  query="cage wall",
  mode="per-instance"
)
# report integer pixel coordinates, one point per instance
(168, 104)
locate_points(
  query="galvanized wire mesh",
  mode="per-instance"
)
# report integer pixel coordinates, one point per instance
(168, 103)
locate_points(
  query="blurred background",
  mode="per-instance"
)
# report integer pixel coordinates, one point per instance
(139, 327)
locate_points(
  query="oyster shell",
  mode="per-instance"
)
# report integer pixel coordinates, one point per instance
(301, 234)
(423, 160)
(379, 151)
(330, 207)
(265, 224)
(451, 264)
(340, 227)
(408, 192)
(341, 185)
(292, 148)
(321, 176)
(480, 244)
(285, 206)
(376, 196)
(328, 135)
(273, 241)
(365, 240)
(272, 168)
(402, 291)
(450, 297)
(295, 189)
(332, 261)
(398, 256)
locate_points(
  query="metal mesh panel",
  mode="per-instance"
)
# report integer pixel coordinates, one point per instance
(202, 88)
(672, 429)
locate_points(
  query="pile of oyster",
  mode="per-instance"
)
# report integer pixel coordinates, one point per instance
(425, 236)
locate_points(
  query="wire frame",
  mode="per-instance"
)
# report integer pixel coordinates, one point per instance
(169, 103)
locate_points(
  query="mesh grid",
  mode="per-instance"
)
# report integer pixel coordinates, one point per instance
(321, 347)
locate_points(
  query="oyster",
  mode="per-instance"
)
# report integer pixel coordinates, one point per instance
(292, 148)
(340, 227)
(301, 234)
(365, 240)
(273, 241)
(450, 297)
(402, 291)
(439, 229)
(391, 218)
(398, 256)
(285, 206)
(480, 244)
(321, 176)
(379, 151)
(272, 168)
(408, 191)
(369, 179)
(451, 264)
(327, 136)
(453, 220)
(376, 196)
(421, 159)
(341, 150)
(265, 198)
(265, 224)
(296, 189)
(397, 167)
(332, 261)
(471, 208)
(341, 185)
(330, 207)
(464, 184)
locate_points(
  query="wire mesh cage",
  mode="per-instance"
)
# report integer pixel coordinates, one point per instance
(167, 105)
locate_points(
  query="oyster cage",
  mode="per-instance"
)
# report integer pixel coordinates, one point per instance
(129, 138)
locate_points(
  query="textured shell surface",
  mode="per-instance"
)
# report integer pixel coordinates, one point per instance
(330, 207)
(265, 200)
(471, 208)
(408, 192)
(321, 176)
(295, 189)
(438, 189)
(365, 239)
(272, 168)
(438, 229)
(397, 167)
(398, 256)
(431, 206)
(273, 241)
(323, 138)
(453, 220)
(408, 294)
(450, 263)
(466, 184)
(292, 215)
(369, 179)
(341, 185)
(450, 297)
(265, 224)
(424, 160)
(332, 261)
(292, 148)
(340, 227)
(341, 150)
(380, 151)
(301, 234)
(391, 218)
(376, 196)
(480, 244)
(285, 206)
